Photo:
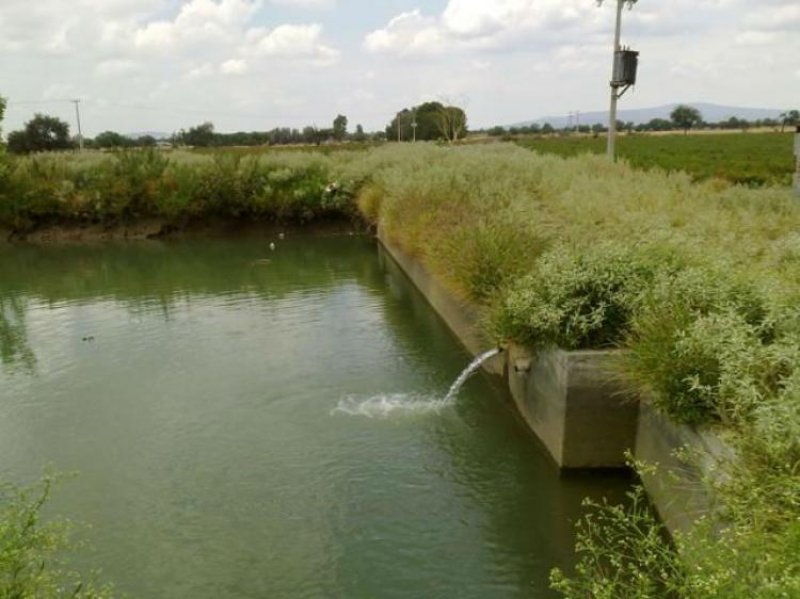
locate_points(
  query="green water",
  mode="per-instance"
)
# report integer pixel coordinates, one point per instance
(256, 423)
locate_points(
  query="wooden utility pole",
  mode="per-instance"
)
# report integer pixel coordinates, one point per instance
(78, 117)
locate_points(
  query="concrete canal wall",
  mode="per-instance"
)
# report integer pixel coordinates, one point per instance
(579, 409)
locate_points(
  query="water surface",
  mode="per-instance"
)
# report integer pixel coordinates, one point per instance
(257, 423)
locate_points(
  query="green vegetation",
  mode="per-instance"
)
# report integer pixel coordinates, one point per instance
(130, 186)
(752, 159)
(30, 566)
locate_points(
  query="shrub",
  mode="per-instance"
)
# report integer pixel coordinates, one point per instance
(702, 347)
(579, 298)
(30, 549)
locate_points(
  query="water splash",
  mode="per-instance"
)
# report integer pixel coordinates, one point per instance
(383, 406)
(462, 378)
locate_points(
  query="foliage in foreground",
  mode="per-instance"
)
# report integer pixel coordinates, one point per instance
(747, 549)
(30, 566)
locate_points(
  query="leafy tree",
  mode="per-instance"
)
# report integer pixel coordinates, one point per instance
(685, 117)
(339, 127)
(359, 135)
(659, 125)
(790, 117)
(429, 118)
(451, 122)
(146, 141)
(111, 139)
(42, 133)
(200, 136)
(547, 128)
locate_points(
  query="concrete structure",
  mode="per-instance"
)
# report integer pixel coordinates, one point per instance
(685, 461)
(461, 316)
(575, 404)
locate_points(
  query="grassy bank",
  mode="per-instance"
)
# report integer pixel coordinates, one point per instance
(752, 159)
(699, 282)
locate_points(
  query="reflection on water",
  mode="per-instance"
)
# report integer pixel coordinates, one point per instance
(249, 423)
(15, 351)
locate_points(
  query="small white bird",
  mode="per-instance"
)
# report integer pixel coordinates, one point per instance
(272, 246)
(280, 235)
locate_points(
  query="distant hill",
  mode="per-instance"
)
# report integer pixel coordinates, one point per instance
(712, 113)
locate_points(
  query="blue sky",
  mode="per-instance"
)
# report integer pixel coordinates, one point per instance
(162, 65)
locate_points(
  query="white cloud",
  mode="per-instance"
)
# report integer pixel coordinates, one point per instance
(476, 24)
(201, 72)
(118, 67)
(292, 41)
(234, 66)
(306, 3)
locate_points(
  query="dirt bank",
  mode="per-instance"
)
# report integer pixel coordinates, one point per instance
(158, 229)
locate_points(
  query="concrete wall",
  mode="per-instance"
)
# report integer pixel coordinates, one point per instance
(685, 460)
(575, 405)
(461, 316)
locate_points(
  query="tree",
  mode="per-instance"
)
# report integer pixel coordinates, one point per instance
(339, 127)
(359, 135)
(451, 122)
(42, 133)
(146, 141)
(685, 117)
(111, 139)
(428, 117)
(790, 117)
(200, 136)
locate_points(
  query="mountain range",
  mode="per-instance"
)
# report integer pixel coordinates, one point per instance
(712, 113)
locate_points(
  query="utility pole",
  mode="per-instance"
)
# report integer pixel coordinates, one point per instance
(616, 81)
(78, 117)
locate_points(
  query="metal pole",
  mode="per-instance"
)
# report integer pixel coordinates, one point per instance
(612, 113)
(78, 117)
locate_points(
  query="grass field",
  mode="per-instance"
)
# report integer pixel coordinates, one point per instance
(745, 158)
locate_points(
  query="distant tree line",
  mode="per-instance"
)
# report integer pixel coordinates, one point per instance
(682, 118)
(429, 121)
(46, 133)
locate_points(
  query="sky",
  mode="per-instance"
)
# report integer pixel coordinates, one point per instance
(162, 65)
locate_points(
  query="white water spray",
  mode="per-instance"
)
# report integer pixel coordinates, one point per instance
(468, 371)
(383, 406)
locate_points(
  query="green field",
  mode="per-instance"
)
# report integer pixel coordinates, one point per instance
(745, 158)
